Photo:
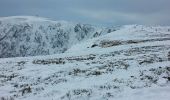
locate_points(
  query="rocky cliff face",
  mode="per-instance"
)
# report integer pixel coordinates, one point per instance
(31, 36)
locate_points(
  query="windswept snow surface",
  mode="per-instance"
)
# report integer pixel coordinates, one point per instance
(132, 63)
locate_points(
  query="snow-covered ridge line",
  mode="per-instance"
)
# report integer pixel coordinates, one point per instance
(21, 18)
(22, 36)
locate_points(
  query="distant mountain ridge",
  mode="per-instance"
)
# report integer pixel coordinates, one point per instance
(22, 36)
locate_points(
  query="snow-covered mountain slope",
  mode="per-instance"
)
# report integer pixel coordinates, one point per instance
(128, 64)
(22, 36)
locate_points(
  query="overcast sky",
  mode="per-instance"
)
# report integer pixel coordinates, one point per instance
(100, 12)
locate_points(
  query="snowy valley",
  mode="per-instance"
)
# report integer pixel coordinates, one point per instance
(70, 61)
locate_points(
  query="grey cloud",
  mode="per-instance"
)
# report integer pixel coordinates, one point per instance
(106, 12)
